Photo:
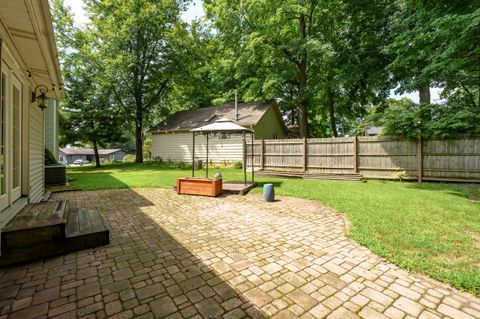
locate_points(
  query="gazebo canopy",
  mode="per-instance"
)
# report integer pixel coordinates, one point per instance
(222, 126)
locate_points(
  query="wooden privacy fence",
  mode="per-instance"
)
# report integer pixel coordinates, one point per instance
(372, 157)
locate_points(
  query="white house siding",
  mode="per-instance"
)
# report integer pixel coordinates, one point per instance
(269, 126)
(51, 121)
(117, 156)
(36, 150)
(69, 158)
(178, 147)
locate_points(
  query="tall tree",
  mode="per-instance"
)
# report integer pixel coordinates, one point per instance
(270, 38)
(322, 57)
(136, 41)
(90, 113)
(351, 75)
(437, 44)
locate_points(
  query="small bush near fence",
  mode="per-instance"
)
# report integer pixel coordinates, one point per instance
(238, 164)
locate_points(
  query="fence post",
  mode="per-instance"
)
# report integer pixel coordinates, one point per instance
(262, 154)
(419, 159)
(305, 154)
(355, 154)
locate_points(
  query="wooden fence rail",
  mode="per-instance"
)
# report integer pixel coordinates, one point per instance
(372, 157)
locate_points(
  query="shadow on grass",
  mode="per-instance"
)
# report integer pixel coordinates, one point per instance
(143, 264)
(95, 180)
(466, 191)
(129, 167)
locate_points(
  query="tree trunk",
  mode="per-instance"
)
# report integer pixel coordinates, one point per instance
(138, 137)
(302, 82)
(138, 84)
(97, 157)
(424, 94)
(302, 118)
(331, 109)
(293, 117)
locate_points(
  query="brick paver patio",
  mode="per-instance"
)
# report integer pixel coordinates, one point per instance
(235, 257)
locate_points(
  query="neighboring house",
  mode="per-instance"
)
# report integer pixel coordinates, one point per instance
(372, 130)
(29, 65)
(51, 127)
(293, 131)
(172, 139)
(70, 154)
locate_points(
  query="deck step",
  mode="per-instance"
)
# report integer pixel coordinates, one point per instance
(46, 197)
(51, 228)
(85, 229)
(239, 188)
(36, 223)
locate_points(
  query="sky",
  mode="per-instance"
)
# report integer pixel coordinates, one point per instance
(196, 11)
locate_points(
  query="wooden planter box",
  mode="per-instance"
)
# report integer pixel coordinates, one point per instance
(55, 175)
(199, 186)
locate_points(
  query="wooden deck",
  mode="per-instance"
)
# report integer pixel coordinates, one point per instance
(239, 188)
(51, 228)
(301, 175)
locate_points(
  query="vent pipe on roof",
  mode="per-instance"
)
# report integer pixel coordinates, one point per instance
(236, 106)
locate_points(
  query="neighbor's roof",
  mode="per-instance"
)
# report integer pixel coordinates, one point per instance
(374, 130)
(87, 151)
(249, 115)
(222, 125)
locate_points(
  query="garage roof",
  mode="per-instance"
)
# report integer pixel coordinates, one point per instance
(186, 120)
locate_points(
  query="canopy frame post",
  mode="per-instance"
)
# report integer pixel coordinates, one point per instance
(244, 158)
(206, 164)
(253, 157)
(225, 128)
(193, 155)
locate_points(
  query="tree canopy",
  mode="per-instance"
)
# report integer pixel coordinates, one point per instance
(89, 114)
(329, 64)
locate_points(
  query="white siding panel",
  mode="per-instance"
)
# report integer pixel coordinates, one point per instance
(178, 147)
(269, 126)
(51, 128)
(36, 149)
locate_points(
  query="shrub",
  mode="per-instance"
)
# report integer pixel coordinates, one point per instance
(49, 158)
(157, 159)
(238, 164)
(401, 175)
(183, 165)
(129, 158)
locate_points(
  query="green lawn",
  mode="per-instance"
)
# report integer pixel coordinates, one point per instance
(426, 228)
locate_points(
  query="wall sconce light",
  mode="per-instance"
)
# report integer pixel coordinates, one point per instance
(40, 94)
